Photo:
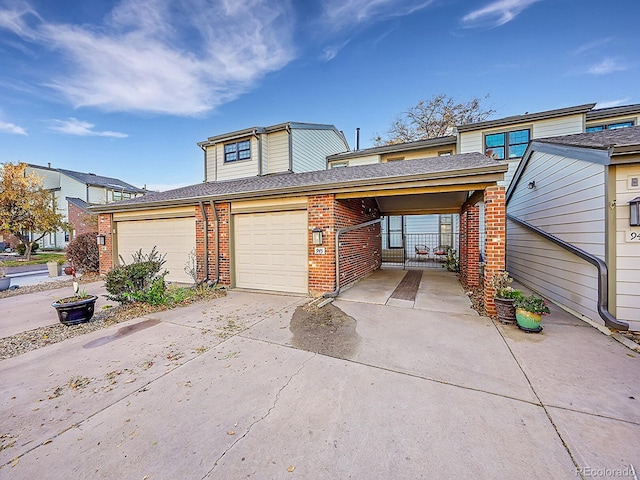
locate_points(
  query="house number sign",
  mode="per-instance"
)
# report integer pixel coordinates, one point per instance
(633, 237)
(319, 250)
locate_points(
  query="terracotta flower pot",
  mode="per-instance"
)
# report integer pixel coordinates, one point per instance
(528, 321)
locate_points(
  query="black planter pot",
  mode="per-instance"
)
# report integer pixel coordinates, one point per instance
(73, 313)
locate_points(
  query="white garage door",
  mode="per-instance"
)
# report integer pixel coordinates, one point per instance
(175, 237)
(271, 251)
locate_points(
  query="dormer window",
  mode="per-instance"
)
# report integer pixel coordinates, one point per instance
(237, 151)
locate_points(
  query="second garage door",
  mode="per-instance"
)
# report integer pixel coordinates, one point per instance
(271, 251)
(175, 237)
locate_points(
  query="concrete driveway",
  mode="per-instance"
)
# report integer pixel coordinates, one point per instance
(218, 390)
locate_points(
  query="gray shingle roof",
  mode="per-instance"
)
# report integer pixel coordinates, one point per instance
(600, 113)
(78, 202)
(602, 140)
(325, 180)
(100, 181)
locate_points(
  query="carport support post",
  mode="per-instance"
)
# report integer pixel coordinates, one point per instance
(105, 222)
(495, 240)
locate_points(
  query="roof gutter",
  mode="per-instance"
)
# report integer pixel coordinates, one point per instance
(339, 232)
(603, 288)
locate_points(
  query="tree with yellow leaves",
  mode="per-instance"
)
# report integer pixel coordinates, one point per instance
(27, 210)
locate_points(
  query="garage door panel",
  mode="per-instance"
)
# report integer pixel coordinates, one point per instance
(175, 237)
(271, 251)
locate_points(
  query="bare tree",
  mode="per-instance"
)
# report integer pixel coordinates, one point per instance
(433, 118)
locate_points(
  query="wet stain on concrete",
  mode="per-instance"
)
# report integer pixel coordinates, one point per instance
(122, 332)
(326, 330)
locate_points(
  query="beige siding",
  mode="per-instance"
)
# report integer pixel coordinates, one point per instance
(364, 160)
(474, 141)
(415, 154)
(568, 202)
(73, 188)
(99, 195)
(276, 154)
(240, 168)
(211, 163)
(312, 146)
(50, 179)
(627, 268)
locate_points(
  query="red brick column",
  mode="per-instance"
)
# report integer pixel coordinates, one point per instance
(462, 246)
(495, 222)
(105, 222)
(473, 246)
(222, 210)
(322, 268)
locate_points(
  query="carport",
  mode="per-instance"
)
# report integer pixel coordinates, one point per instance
(316, 232)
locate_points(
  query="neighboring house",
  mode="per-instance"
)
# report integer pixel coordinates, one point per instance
(74, 192)
(578, 189)
(286, 147)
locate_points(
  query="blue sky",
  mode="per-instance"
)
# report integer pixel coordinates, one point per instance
(127, 88)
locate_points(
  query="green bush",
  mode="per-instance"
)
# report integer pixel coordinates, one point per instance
(22, 248)
(139, 281)
(83, 253)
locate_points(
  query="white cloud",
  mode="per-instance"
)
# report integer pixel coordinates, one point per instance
(341, 14)
(73, 126)
(605, 67)
(181, 58)
(592, 46)
(613, 103)
(496, 13)
(6, 127)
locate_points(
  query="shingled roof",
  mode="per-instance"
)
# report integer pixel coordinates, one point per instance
(442, 168)
(100, 181)
(601, 140)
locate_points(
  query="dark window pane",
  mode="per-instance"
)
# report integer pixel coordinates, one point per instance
(494, 140)
(230, 148)
(244, 154)
(230, 157)
(599, 128)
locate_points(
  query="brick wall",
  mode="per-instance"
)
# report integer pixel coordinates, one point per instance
(360, 250)
(469, 258)
(495, 246)
(80, 220)
(106, 251)
(222, 210)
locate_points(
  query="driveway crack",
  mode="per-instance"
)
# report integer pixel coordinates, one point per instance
(255, 422)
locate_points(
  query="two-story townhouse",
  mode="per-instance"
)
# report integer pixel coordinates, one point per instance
(285, 147)
(74, 192)
(250, 154)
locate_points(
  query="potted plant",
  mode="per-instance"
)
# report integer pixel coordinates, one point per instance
(76, 309)
(504, 296)
(5, 282)
(529, 312)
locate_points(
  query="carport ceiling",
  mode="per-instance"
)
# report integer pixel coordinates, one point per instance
(421, 204)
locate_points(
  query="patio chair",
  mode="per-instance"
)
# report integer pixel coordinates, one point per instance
(440, 253)
(422, 251)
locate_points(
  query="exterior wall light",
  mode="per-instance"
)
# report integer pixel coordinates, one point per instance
(316, 235)
(634, 216)
(532, 185)
(101, 239)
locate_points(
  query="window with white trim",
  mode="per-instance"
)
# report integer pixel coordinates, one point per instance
(237, 151)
